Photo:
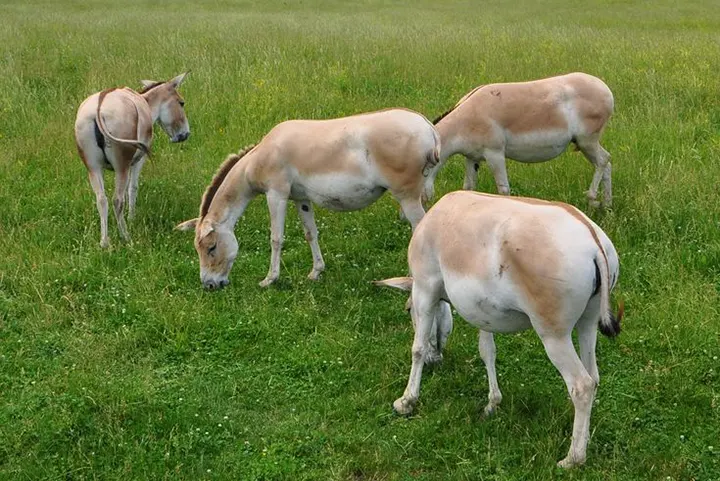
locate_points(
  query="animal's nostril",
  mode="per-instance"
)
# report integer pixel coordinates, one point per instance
(224, 282)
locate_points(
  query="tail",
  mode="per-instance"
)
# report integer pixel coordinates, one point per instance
(101, 125)
(609, 323)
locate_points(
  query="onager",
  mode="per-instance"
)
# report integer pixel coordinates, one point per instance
(529, 122)
(341, 164)
(113, 130)
(508, 264)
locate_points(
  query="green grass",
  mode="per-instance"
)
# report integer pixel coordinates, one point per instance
(116, 365)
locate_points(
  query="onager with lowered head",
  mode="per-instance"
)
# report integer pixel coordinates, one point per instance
(508, 264)
(529, 122)
(341, 164)
(113, 130)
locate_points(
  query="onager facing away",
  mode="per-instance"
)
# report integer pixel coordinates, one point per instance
(529, 122)
(508, 264)
(113, 130)
(341, 164)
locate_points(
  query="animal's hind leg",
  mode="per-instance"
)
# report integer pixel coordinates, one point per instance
(581, 387)
(98, 186)
(587, 328)
(121, 184)
(600, 159)
(486, 346)
(133, 186)
(424, 307)
(277, 204)
(307, 216)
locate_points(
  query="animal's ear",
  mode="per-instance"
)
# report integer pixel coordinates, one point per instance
(187, 225)
(403, 283)
(205, 229)
(179, 79)
(148, 83)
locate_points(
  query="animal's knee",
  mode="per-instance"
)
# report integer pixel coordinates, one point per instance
(583, 389)
(277, 243)
(118, 203)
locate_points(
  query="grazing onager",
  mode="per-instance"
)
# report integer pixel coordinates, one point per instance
(113, 130)
(340, 164)
(529, 122)
(508, 264)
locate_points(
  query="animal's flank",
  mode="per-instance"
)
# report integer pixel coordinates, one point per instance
(219, 177)
(103, 130)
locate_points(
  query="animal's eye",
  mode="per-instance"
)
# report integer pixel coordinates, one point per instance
(212, 248)
(182, 103)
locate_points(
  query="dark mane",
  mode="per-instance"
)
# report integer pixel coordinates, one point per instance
(219, 177)
(443, 116)
(149, 87)
(465, 97)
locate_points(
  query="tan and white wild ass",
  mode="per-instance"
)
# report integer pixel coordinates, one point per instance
(113, 130)
(340, 164)
(508, 264)
(529, 122)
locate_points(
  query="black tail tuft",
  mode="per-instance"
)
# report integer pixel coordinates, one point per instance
(612, 329)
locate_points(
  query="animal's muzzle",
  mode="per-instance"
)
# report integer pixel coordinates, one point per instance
(213, 285)
(181, 137)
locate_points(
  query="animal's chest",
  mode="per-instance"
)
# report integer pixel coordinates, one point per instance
(337, 191)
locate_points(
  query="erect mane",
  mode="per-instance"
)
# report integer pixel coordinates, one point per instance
(219, 177)
(465, 97)
(442, 116)
(148, 88)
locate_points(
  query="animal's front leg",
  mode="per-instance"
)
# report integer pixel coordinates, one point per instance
(582, 392)
(472, 166)
(413, 209)
(496, 162)
(307, 216)
(486, 346)
(277, 204)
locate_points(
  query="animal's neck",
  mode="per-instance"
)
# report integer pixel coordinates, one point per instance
(448, 131)
(232, 197)
(152, 97)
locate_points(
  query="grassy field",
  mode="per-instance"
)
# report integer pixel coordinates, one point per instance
(116, 365)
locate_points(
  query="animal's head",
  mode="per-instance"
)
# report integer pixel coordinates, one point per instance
(169, 105)
(217, 248)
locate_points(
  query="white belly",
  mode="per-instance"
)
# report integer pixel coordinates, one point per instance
(536, 146)
(489, 306)
(337, 191)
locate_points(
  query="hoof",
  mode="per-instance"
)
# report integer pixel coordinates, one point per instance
(105, 243)
(267, 281)
(489, 410)
(570, 462)
(433, 358)
(403, 407)
(314, 275)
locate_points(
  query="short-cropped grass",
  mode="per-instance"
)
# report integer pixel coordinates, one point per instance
(117, 365)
